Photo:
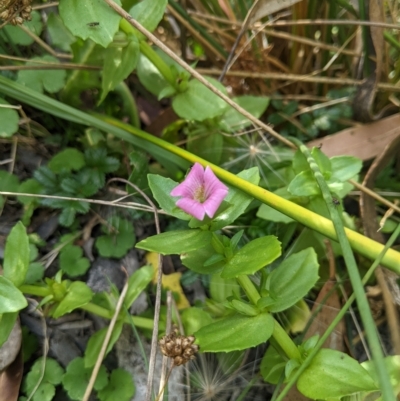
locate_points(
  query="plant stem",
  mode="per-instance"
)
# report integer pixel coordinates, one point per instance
(279, 335)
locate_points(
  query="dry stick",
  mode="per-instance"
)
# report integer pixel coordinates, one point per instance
(196, 75)
(154, 338)
(106, 340)
(43, 44)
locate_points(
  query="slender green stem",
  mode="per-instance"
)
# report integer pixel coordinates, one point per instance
(358, 288)
(337, 319)
(148, 51)
(279, 335)
(249, 288)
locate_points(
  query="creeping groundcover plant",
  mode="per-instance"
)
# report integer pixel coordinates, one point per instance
(254, 282)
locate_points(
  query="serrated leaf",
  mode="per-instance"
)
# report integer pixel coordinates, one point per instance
(67, 216)
(43, 80)
(118, 240)
(18, 36)
(72, 262)
(76, 379)
(120, 387)
(9, 120)
(94, 11)
(149, 13)
(16, 255)
(119, 62)
(46, 177)
(198, 103)
(235, 332)
(68, 159)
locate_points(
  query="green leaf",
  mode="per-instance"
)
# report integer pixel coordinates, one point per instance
(99, 164)
(253, 257)
(35, 273)
(272, 366)
(149, 13)
(255, 105)
(30, 186)
(293, 279)
(118, 240)
(235, 332)
(206, 143)
(67, 216)
(9, 120)
(137, 282)
(78, 294)
(140, 167)
(96, 341)
(68, 159)
(52, 374)
(18, 37)
(345, 167)
(43, 80)
(7, 321)
(61, 37)
(120, 387)
(323, 162)
(193, 319)
(334, 374)
(176, 242)
(16, 255)
(161, 188)
(8, 183)
(76, 379)
(198, 102)
(119, 62)
(72, 262)
(304, 184)
(94, 11)
(238, 199)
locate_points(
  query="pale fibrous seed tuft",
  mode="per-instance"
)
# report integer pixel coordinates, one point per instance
(15, 12)
(180, 348)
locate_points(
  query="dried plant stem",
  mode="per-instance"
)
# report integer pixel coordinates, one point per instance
(154, 339)
(106, 341)
(196, 74)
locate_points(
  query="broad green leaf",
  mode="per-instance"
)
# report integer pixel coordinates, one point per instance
(206, 143)
(9, 119)
(96, 341)
(61, 37)
(30, 186)
(16, 255)
(72, 262)
(198, 103)
(119, 62)
(17, 36)
(256, 105)
(304, 184)
(222, 288)
(334, 374)
(95, 11)
(161, 188)
(68, 159)
(268, 213)
(176, 242)
(235, 332)
(119, 238)
(193, 319)
(149, 13)
(76, 379)
(194, 260)
(293, 279)
(323, 162)
(7, 321)
(120, 387)
(48, 376)
(253, 257)
(35, 273)
(43, 80)
(8, 183)
(137, 283)
(78, 294)
(238, 199)
(345, 167)
(272, 366)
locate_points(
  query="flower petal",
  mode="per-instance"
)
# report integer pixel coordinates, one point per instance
(212, 204)
(192, 207)
(192, 182)
(213, 184)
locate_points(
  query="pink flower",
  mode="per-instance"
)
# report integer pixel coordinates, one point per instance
(202, 192)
